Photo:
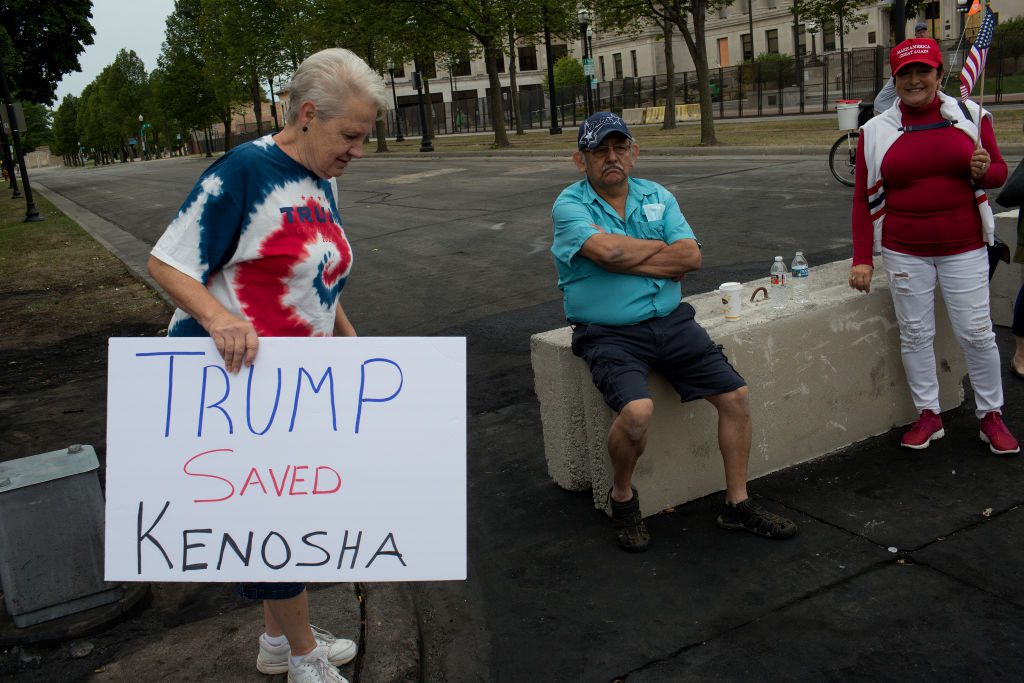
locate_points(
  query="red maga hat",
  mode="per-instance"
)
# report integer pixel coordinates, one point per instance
(915, 50)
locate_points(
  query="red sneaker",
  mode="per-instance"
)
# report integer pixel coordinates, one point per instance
(927, 428)
(999, 439)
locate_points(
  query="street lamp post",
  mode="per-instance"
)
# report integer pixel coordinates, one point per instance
(394, 96)
(31, 212)
(592, 81)
(583, 16)
(142, 137)
(417, 77)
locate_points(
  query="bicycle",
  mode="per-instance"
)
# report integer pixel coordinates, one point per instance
(842, 158)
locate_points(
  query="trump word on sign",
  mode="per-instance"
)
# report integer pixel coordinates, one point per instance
(330, 459)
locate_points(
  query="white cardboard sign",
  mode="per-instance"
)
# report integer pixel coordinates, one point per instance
(331, 459)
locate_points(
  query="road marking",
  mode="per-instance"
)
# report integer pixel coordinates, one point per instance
(1012, 213)
(417, 177)
(535, 168)
(497, 226)
(539, 244)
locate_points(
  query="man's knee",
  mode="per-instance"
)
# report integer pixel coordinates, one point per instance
(635, 417)
(735, 403)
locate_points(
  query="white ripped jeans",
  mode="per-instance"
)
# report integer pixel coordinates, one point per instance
(963, 279)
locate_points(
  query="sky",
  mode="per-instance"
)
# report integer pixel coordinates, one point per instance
(133, 24)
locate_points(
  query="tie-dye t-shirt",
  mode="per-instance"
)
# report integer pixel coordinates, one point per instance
(264, 235)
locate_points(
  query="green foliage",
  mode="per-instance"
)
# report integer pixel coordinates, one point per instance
(1008, 40)
(770, 65)
(38, 127)
(41, 41)
(824, 11)
(248, 35)
(65, 126)
(189, 89)
(568, 73)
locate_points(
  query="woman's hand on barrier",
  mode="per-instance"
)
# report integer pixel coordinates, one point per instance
(980, 162)
(235, 339)
(860, 277)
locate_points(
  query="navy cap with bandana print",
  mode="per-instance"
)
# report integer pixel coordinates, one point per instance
(595, 128)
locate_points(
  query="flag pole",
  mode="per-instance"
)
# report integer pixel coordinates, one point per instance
(981, 91)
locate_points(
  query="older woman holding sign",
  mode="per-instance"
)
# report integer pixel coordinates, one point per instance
(258, 249)
(918, 200)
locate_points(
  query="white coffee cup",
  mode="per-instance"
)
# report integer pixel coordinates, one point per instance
(732, 299)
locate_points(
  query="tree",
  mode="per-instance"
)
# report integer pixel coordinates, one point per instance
(568, 73)
(126, 90)
(845, 15)
(249, 34)
(185, 89)
(689, 17)
(38, 127)
(46, 36)
(65, 127)
(485, 21)
(631, 18)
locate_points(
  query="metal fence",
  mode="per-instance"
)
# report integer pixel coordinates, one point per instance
(811, 85)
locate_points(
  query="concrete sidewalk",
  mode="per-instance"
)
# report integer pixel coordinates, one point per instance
(905, 567)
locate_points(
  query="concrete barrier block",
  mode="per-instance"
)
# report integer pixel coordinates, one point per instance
(654, 115)
(1008, 277)
(822, 375)
(633, 116)
(562, 410)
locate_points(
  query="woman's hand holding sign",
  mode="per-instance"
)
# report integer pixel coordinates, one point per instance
(235, 339)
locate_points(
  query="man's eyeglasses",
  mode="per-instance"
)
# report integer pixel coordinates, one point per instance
(603, 151)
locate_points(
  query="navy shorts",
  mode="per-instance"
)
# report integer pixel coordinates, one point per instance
(269, 591)
(675, 346)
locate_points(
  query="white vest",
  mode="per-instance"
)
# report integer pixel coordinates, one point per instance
(878, 135)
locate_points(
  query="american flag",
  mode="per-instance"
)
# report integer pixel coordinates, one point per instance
(974, 65)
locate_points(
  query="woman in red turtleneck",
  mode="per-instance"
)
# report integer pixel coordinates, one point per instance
(918, 201)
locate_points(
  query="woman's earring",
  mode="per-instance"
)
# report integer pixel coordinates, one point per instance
(305, 129)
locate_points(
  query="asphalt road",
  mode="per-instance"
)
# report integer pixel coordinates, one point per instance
(458, 239)
(460, 247)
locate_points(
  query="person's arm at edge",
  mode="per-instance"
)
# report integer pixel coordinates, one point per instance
(235, 338)
(863, 231)
(342, 326)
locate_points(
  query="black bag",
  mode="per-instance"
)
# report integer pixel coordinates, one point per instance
(1012, 193)
(1000, 251)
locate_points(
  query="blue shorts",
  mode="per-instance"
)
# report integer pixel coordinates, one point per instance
(269, 591)
(620, 358)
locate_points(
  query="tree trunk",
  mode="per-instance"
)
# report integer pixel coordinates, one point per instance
(695, 43)
(226, 120)
(257, 104)
(382, 140)
(670, 81)
(494, 98)
(513, 89)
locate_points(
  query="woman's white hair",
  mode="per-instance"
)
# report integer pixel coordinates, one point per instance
(330, 79)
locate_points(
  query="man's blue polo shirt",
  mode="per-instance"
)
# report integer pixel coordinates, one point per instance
(592, 294)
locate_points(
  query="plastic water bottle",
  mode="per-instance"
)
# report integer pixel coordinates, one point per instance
(779, 284)
(800, 272)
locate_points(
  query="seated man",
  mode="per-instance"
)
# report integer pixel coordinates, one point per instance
(622, 247)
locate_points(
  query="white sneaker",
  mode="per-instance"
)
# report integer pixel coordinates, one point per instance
(314, 668)
(273, 659)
